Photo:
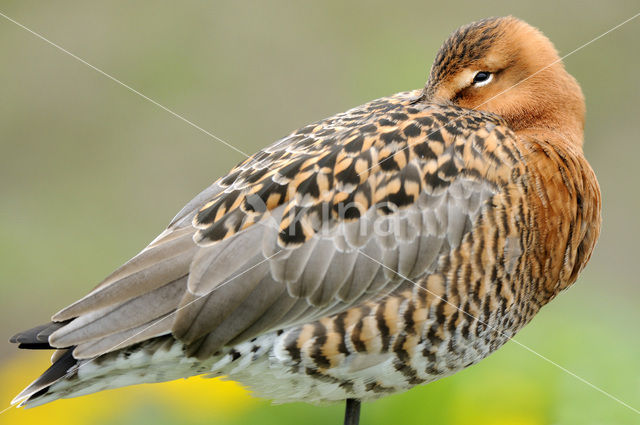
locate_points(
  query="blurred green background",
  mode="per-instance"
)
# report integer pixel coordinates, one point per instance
(90, 173)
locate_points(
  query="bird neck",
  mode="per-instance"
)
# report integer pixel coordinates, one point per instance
(555, 114)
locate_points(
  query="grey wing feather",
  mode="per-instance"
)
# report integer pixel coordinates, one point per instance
(215, 264)
(200, 314)
(275, 307)
(132, 313)
(95, 347)
(290, 269)
(244, 316)
(363, 272)
(315, 271)
(338, 273)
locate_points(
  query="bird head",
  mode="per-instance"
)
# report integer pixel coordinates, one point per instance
(507, 67)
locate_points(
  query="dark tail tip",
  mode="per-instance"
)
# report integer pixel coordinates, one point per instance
(37, 338)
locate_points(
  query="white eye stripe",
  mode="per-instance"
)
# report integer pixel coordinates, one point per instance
(485, 82)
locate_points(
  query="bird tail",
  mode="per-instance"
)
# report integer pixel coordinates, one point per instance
(62, 360)
(155, 360)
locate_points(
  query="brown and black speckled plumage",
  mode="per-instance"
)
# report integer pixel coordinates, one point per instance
(381, 248)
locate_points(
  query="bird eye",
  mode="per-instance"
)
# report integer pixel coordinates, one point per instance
(482, 78)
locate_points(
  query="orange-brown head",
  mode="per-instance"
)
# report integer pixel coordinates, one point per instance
(506, 66)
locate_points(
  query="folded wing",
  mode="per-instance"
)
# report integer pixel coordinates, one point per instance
(339, 212)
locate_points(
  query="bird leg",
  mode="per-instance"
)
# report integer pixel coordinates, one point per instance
(352, 412)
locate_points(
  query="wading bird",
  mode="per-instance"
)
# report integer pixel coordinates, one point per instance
(382, 248)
